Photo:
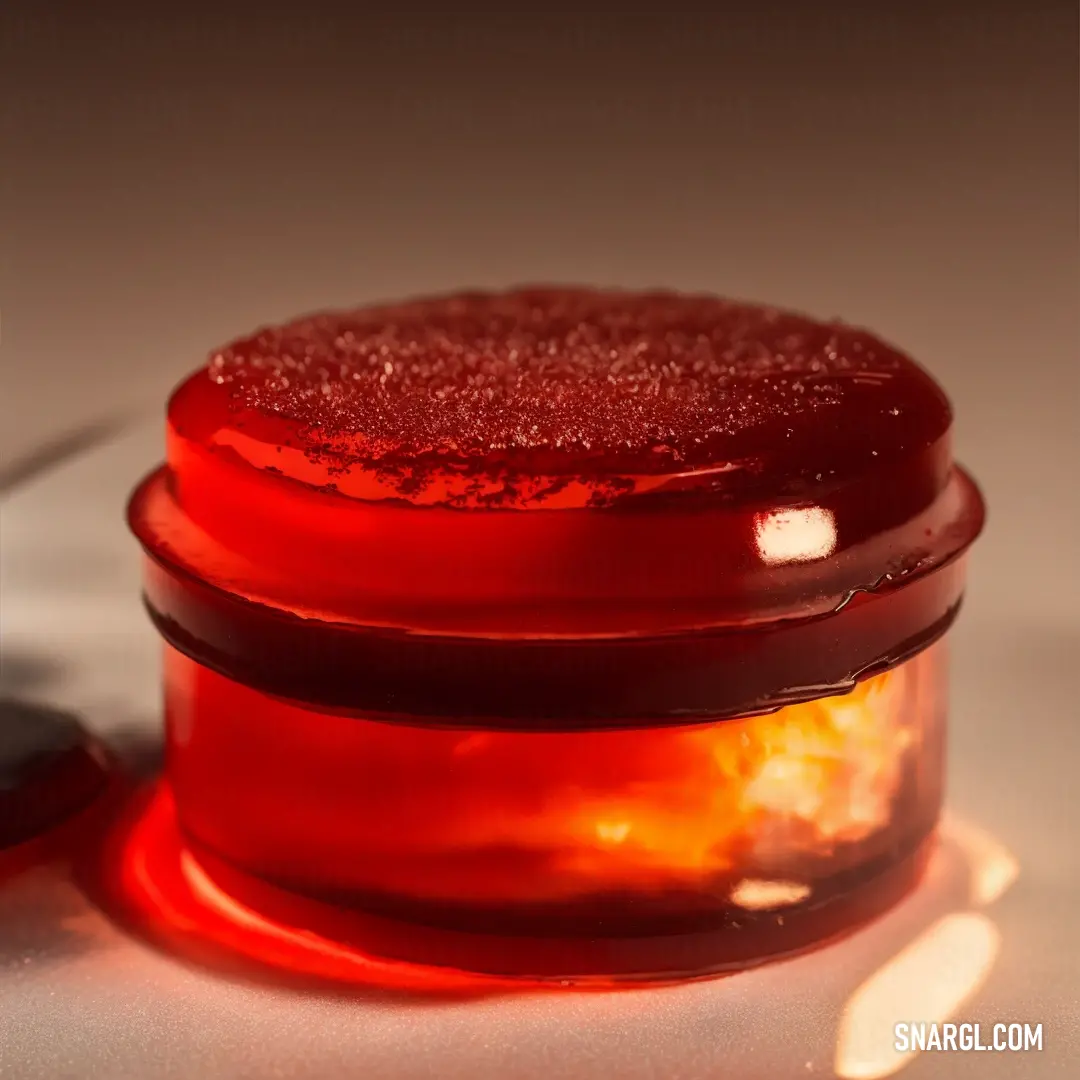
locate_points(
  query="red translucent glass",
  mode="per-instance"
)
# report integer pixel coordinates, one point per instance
(592, 632)
(751, 836)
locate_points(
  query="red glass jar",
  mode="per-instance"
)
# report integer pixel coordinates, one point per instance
(581, 634)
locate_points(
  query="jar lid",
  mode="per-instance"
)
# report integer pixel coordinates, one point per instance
(633, 505)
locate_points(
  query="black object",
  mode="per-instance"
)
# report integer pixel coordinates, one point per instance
(50, 767)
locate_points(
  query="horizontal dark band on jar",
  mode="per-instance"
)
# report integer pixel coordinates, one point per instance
(551, 684)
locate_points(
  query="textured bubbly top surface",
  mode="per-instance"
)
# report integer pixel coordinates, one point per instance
(582, 382)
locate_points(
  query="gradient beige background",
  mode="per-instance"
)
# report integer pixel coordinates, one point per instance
(171, 177)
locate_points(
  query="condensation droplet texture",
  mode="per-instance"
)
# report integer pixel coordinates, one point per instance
(558, 381)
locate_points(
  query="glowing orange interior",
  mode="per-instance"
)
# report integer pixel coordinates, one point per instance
(756, 813)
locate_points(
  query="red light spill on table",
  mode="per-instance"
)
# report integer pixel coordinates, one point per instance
(164, 887)
(243, 918)
(929, 978)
